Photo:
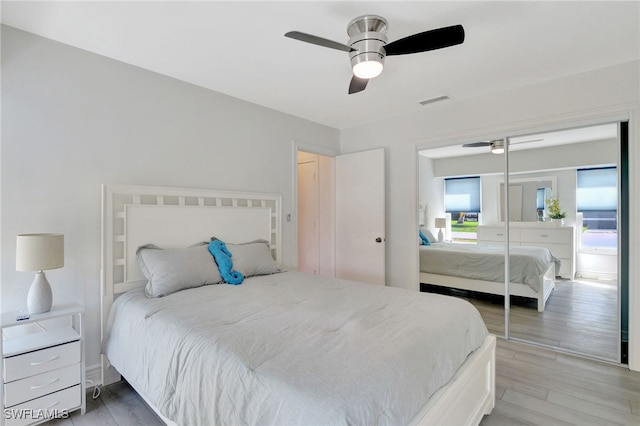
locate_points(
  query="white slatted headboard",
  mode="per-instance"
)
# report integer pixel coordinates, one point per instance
(134, 215)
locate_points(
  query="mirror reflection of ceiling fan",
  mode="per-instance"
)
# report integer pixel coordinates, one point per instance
(497, 145)
(368, 45)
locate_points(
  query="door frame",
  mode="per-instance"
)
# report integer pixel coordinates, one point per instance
(292, 218)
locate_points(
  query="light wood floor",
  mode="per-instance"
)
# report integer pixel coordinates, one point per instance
(534, 386)
(580, 316)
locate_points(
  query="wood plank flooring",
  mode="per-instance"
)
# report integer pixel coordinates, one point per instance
(534, 386)
(580, 316)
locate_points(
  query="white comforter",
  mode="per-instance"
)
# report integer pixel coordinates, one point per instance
(486, 262)
(291, 348)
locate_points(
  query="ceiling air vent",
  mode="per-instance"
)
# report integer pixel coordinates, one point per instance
(434, 100)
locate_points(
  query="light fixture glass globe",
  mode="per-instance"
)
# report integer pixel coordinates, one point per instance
(497, 146)
(367, 69)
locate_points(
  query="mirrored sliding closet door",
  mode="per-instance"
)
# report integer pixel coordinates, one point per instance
(458, 191)
(562, 201)
(554, 201)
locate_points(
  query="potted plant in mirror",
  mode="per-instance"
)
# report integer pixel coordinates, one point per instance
(555, 212)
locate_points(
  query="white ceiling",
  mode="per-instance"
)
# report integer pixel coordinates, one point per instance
(238, 48)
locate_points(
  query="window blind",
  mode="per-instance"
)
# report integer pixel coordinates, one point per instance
(462, 195)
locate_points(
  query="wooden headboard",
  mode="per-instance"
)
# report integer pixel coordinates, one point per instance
(134, 215)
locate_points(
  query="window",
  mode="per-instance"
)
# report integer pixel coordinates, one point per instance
(597, 200)
(462, 200)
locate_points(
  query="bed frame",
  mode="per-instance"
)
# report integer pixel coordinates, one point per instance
(134, 215)
(546, 282)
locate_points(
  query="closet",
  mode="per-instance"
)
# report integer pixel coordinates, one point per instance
(587, 312)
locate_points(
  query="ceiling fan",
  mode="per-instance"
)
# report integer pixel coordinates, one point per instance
(497, 145)
(367, 46)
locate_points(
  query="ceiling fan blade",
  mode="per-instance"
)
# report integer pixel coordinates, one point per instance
(308, 38)
(476, 144)
(357, 84)
(428, 40)
(518, 142)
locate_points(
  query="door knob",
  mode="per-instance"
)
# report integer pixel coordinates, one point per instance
(378, 240)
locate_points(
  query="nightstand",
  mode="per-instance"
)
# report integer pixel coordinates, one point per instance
(43, 365)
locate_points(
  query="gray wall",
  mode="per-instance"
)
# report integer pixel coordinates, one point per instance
(72, 120)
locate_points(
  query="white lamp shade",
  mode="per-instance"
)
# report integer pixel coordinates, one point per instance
(441, 222)
(39, 252)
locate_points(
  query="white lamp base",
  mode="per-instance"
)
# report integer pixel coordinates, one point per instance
(40, 297)
(440, 235)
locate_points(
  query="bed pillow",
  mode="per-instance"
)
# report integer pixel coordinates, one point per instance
(430, 236)
(424, 240)
(252, 258)
(171, 270)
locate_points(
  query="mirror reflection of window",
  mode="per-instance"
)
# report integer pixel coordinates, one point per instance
(462, 201)
(597, 200)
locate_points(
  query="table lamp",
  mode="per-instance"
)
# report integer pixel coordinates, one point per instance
(441, 223)
(39, 252)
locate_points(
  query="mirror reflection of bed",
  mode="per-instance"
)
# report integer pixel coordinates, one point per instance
(585, 283)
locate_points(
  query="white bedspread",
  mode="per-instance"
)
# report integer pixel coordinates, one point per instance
(486, 262)
(291, 348)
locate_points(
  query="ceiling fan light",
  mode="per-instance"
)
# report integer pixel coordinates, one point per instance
(367, 69)
(497, 147)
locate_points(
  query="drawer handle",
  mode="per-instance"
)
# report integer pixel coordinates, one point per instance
(33, 364)
(544, 235)
(44, 385)
(500, 235)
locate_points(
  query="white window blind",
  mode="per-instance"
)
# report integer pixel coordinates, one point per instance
(462, 195)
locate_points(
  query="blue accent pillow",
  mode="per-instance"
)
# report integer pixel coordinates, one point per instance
(423, 238)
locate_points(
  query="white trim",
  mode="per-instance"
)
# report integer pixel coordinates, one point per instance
(597, 276)
(634, 238)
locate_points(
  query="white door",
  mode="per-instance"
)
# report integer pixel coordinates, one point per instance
(308, 246)
(360, 216)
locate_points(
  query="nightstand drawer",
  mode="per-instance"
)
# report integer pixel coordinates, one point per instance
(36, 386)
(32, 363)
(55, 404)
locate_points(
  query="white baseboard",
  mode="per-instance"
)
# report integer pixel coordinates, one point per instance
(591, 275)
(94, 374)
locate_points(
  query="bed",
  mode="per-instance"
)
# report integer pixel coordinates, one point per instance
(283, 346)
(480, 267)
